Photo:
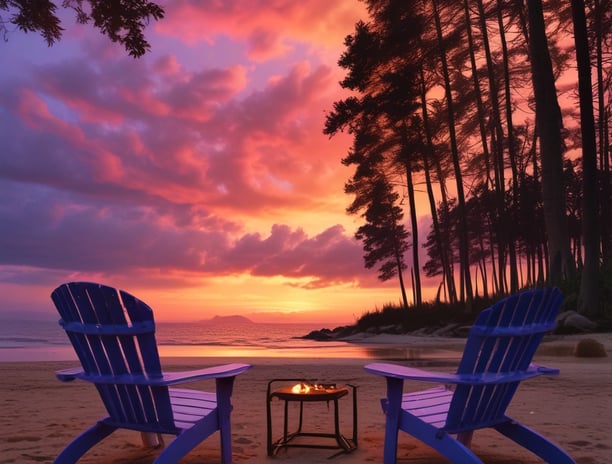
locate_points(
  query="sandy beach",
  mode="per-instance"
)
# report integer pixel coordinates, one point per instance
(40, 415)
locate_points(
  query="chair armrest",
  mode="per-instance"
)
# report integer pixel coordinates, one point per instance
(410, 373)
(545, 370)
(216, 372)
(67, 375)
(166, 379)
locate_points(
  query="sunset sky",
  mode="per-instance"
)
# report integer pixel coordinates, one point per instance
(197, 177)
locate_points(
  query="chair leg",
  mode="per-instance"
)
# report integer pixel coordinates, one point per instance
(534, 442)
(82, 443)
(218, 420)
(186, 441)
(224, 394)
(452, 449)
(398, 420)
(444, 443)
(152, 440)
(392, 407)
(465, 438)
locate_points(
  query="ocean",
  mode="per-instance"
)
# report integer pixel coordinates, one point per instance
(44, 340)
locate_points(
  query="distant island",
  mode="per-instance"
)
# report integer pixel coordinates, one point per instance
(226, 320)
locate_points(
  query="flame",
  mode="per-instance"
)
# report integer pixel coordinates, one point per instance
(301, 388)
(305, 388)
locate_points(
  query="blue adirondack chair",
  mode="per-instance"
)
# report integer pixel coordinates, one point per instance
(113, 334)
(496, 358)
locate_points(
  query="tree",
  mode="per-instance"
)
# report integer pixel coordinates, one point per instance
(123, 21)
(385, 239)
(398, 29)
(549, 123)
(379, 119)
(600, 29)
(501, 218)
(466, 280)
(589, 285)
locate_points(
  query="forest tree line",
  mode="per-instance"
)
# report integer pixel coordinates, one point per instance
(498, 113)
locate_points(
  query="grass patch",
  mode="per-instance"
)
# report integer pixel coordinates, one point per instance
(426, 316)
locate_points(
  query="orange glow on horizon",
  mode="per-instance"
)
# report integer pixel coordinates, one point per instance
(265, 300)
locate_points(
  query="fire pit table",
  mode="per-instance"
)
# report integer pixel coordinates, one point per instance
(307, 392)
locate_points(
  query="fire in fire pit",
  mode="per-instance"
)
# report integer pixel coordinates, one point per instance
(300, 388)
(305, 388)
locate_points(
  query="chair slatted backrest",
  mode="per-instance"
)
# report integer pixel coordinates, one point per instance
(503, 340)
(113, 334)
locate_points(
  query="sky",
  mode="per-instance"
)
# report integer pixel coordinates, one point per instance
(196, 178)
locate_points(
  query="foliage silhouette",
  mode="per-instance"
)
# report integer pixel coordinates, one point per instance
(122, 21)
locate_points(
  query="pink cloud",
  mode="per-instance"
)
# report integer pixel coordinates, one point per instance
(115, 239)
(265, 44)
(243, 155)
(37, 114)
(185, 136)
(316, 22)
(199, 94)
(195, 162)
(272, 135)
(167, 66)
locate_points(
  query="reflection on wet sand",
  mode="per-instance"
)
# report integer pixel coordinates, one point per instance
(450, 354)
(421, 356)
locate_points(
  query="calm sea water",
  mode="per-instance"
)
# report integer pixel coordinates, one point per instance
(37, 340)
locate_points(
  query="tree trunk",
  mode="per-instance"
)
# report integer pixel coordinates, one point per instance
(510, 227)
(478, 94)
(400, 266)
(461, 208)
(588, 302)
(549, 123)
(415, 235)
(604, 161)
(429, 151)
(497, 137)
